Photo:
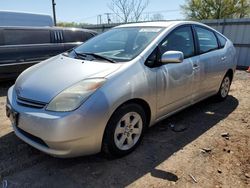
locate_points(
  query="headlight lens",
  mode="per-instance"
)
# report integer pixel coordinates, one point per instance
(72, 97)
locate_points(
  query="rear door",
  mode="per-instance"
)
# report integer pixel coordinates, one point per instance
(210, 61)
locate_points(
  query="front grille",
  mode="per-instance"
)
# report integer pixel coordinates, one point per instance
(30, 103)
(32, 137)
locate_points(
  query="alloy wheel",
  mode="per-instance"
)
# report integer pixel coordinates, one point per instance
(225, 87)
(128, 131)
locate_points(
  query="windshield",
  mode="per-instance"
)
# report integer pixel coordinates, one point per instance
(119, 44)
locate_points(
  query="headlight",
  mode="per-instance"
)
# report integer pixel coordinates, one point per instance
(72, 97)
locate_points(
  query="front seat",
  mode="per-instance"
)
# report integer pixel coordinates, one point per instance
(176, 43)
(140, 43)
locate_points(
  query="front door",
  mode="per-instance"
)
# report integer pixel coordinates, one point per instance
(175, 81)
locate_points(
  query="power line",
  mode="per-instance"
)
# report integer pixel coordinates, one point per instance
(161, 11)
(115, 16)
(149, 12)
(90, 17)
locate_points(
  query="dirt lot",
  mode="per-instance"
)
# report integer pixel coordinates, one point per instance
(167, 157)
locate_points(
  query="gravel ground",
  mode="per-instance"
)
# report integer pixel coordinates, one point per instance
(207, 147)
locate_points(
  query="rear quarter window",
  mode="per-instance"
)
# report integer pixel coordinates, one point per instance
(222, 40)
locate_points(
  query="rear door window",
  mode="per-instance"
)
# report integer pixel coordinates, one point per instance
(25, 36)
(207, 40)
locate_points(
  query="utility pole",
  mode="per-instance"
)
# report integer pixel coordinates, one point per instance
(99, 19)
(108, 17)
(54, 11)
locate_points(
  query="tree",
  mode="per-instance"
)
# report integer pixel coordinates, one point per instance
(72, 24)
(128, 10)
(138, 7)
(216, 9)
(157, 17)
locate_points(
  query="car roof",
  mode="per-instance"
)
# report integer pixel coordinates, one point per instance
(158, 24)
(46, 28)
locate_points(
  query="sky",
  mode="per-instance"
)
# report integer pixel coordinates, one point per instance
(86, 11)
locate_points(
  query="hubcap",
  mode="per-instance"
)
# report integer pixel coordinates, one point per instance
(128, 131)
(225, 87)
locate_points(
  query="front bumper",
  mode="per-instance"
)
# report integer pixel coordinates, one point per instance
(59, 134)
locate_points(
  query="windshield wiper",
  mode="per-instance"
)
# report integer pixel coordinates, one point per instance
(96, 56)
(79, 55)
(100, 57)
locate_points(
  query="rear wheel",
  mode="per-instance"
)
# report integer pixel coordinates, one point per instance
(124, 131)
(224, 88)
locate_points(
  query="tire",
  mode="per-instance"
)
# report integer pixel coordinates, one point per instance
(224, 88)
(124, 131)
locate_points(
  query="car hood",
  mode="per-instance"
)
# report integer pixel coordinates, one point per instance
(47, 79)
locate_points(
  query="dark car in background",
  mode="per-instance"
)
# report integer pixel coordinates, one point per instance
(22, 47)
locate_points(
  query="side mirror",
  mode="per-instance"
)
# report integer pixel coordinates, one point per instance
(172, 57)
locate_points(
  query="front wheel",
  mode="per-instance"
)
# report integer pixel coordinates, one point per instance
(124, 130)
(224, 88)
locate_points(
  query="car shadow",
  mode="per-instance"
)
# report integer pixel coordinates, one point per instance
(21, 165)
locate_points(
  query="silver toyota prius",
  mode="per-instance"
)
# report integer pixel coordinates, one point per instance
(102, 95)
